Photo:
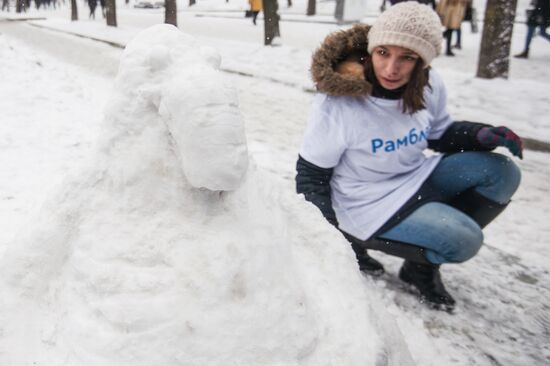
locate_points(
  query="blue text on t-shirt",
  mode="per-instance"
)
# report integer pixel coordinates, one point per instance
(390, 145)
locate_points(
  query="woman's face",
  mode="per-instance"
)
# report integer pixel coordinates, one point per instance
(393, 65)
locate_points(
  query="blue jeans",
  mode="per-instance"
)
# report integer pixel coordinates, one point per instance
(447, 234)
(531, 33)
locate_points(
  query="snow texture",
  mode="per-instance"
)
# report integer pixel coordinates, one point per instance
(128, 263)
(89, 226)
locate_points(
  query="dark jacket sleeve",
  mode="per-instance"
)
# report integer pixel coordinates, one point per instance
(314, 182)
(460, 136)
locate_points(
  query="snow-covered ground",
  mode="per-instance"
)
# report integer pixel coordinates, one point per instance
(101, 261)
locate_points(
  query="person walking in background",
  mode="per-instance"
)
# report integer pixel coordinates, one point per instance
(102, 4)
(379, 106)
(255, 8)
(537, 17)
(92, 4)
(451, 13)
(6, 4)
(468, 17)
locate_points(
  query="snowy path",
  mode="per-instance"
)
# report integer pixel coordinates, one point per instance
(503, 316)
(50, 111)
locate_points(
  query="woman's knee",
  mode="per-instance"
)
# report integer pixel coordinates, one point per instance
(505, 177)
(508, 169)
(447, 234)
(467, 247)
(465, 238)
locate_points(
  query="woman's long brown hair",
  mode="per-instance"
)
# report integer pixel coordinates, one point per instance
(413, 93)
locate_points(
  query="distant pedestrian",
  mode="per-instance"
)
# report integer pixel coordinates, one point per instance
(467, 16)
(537, 17)
(6, 5)
(93, 5)
(255, 8)
(451, 13)
(102, 4)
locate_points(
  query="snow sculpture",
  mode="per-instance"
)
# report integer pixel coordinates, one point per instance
(196, 102)
(134, 262)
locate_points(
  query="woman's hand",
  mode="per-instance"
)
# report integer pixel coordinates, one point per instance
(492, 137)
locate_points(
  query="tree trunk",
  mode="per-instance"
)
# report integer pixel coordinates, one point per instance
(170, 12)
(192, 2)
(74, 10)
(494, 53)
(110, 10)
(339, 11)
(311, 7)
(271, 21)
(289, 2)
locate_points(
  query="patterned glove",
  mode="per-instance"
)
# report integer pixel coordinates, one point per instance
(492, 137)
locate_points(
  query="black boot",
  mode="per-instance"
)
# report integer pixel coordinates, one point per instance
(370, 265)
(478, 207)
(402, 250)
(524, 54)
(367, 263)
(427, 280)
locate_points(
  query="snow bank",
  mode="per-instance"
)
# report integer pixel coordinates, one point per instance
(130, 263)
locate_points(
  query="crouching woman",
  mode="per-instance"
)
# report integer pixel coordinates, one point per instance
(363, 163)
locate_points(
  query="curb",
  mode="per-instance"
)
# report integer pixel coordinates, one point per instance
(20, 19)
(110, 43)
(535, 145)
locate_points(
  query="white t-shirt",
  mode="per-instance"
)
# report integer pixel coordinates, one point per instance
(376, 150)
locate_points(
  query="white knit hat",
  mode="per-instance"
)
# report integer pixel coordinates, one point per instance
(411, 25)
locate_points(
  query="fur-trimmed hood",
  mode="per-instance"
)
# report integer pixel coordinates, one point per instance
(335, 48)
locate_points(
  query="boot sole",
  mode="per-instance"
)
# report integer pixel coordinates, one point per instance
(374, 273)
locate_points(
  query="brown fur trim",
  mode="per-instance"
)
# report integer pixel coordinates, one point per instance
(334, 49)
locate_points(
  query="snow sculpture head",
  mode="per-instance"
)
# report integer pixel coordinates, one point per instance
(181, 78)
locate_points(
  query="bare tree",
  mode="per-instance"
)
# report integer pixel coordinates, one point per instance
(170, 12)
(494, 53)
(110, 10)
(311, 7)
(271, 21)
(339, 11)
(289, 3)
(74, 10)
(192, 2)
